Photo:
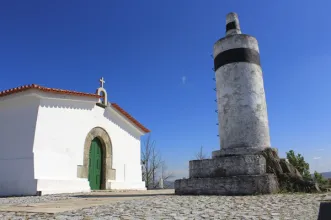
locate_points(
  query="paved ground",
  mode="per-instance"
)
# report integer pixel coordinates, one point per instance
(161, 204)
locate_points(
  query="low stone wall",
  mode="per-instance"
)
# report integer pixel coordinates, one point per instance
(228, 166)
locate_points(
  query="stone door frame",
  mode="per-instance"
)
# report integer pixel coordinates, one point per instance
(107, 172)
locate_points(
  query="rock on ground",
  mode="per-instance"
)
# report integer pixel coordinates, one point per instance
(288, 176)
(277, 206)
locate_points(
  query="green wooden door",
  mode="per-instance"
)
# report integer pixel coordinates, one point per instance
(95, 161)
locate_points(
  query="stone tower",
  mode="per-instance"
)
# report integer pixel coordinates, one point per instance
(238, 168)
(242, 109)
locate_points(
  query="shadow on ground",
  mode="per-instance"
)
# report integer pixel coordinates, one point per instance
(122, 196)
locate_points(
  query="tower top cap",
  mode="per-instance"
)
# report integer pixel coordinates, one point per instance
(232, 24)
(232, 16)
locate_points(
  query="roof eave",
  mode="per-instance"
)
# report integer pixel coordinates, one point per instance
(141, 129)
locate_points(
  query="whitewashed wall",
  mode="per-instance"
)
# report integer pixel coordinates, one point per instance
(18, 116)
(62, 127)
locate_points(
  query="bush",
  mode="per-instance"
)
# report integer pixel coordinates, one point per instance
(320, 179)
(298, 161)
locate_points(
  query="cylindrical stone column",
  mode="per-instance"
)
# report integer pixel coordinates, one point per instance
(242, 109)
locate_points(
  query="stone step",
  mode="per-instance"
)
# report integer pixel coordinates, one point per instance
(228, 166)
(232, 185)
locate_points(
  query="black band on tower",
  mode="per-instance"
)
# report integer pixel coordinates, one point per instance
(231, 25)
(236, 55)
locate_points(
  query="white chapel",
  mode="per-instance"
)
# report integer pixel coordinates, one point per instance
(61, 141)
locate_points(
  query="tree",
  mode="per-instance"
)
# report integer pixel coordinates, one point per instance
(298, 161)
(154, 168)
(165, 175)
(200, 155)
(156, 163)
(146, 153)
(320, 179)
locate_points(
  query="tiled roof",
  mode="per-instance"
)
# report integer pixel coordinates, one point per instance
(128, 116)
(45, 89)
(68, 92)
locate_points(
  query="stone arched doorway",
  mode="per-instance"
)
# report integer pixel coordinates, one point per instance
(107, 172)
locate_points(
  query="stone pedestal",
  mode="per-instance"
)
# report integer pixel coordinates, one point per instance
(228, 175)
(229, 186)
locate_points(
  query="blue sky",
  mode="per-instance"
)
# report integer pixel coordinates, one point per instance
(155, 58)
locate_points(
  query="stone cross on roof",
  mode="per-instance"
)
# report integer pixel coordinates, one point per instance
(102, 81)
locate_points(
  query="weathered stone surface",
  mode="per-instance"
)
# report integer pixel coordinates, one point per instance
(243, 124)
(289, 178)
(243, 119)
(82, 172)
(233, 18)
(235, 151)
(286, 166)
(234, 185)
(228, 166)
(293, 183)
(289, 168)
(242, 110)
(272, 161)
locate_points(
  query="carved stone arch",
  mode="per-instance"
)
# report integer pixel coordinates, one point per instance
(108, 173)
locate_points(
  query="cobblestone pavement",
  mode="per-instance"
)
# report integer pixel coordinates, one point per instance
(278, 206)
(35, 199)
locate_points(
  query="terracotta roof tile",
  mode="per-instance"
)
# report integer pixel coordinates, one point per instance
(68, 92)
(128, 116)
(45, 89)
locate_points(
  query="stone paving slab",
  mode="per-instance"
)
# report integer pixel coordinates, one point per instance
(83, 201)
(327, 198)
(157, 205)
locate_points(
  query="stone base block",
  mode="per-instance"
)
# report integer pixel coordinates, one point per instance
(235, 151)
(234, 185)
(238, 151)
(228, 166)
